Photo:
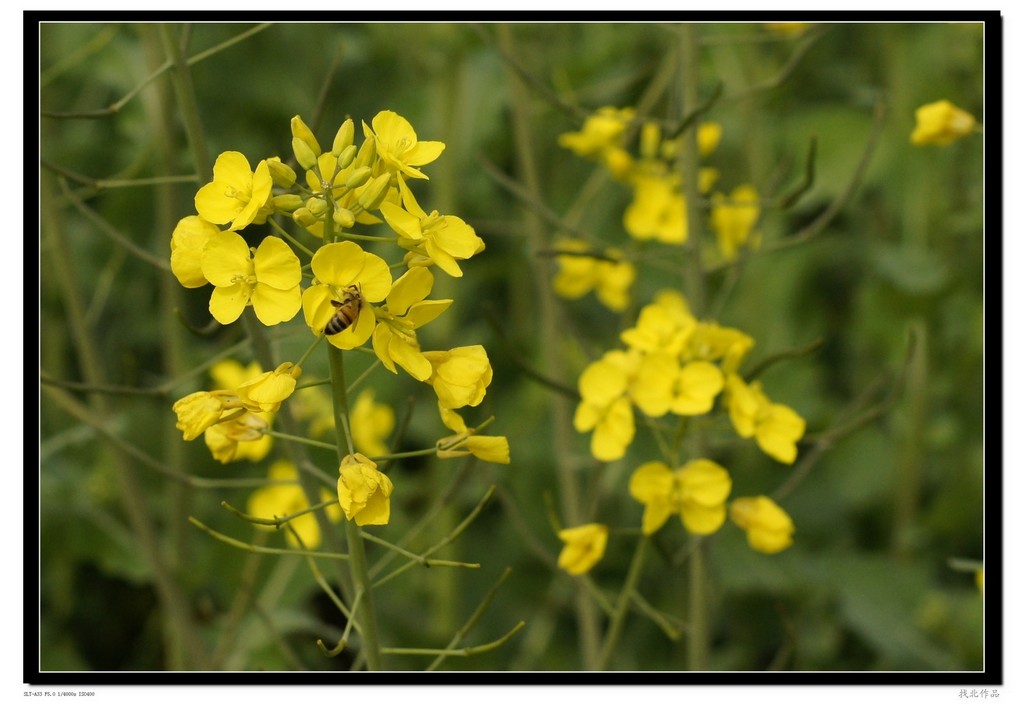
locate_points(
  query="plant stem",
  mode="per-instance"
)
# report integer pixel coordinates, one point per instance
(622, 606)
(357, 553)
(697, 635)
(689, 58)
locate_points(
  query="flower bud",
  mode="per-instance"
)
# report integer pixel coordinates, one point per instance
(301, 131)
(359, 177)
(316, 206)
(282, 174)
(347, 156)
(345, 137)
(367, 153)
(286, 202)
(303, 217)
(344, 218)
(305, 155)
(375, 192)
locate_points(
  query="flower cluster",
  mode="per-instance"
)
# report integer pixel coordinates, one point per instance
(348, 295)
(657, 211)
(675, 364)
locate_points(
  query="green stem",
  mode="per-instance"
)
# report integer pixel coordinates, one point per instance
(357, 553)
(697, 642)
(689, 58)
(611, 639)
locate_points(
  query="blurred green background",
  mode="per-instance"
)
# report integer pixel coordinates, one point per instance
(868, 584)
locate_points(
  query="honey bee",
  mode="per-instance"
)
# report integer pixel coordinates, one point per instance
(346, 310)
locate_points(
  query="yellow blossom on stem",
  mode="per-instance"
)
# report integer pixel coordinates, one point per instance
(715, 343)
(584, 547)
(600, 131)
(604, 405)
(697, 492)
(240, 437)
(337, 267)
(267, 277)
(769, 529)
(941, 123)
(658, 210)
(466, 441)
(371, 424)
(459, 376)
(394, 338)
(733, 219)
(610, 277)
(439, 239)
(775, 427)
(284, 498)
(266, 391)
(201, 410)
(398, 146)
(188, 239)
(665, 325)
(601, 138)
(363, 491)
(663, 384)
(237, 195)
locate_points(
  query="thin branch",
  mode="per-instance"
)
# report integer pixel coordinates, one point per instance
(113, 233)
(465, 651)
(253, 548)
(472, 621)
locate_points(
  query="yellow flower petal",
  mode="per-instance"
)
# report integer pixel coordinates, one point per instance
(225, 258)
(228, 302)
(276, 264)
(584, 547)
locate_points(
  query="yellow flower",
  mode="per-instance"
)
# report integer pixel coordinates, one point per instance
(394, 339)
(187, 242)
(398, 146)
(713, 342)
(657, 211)
(286, 497)
(460, 376)
(265, 392)
(664, 326)
(604, 406)
(492, 449)
(580, 274)
(603, 130)
(237, 195)
(769, 529)
(336, 267)
(438, 239)
(371, 423)
(363, 491)
(584, 547)
(709, 134)
(941, 123)
(697, 492)
(662, 384)
(240, 438)
(775, 427)
(200, 410)
(267, 277)
(733, 219)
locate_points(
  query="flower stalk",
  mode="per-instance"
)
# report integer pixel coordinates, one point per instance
(357, 552)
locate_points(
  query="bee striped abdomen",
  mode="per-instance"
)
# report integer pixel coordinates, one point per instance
(346, 311)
